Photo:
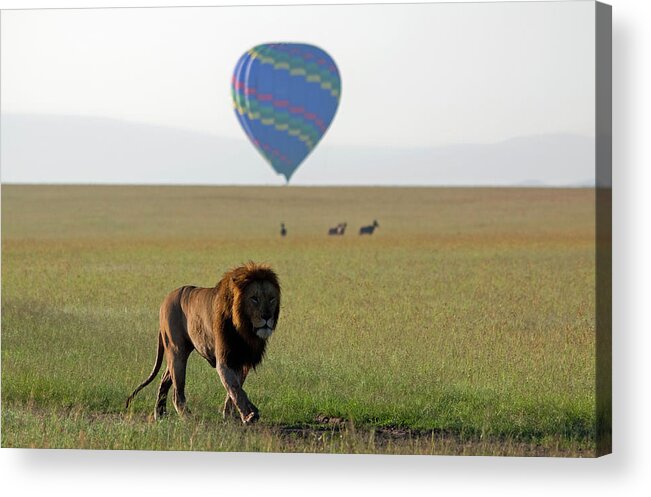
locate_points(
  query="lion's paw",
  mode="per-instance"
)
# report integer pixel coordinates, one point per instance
(253, 417)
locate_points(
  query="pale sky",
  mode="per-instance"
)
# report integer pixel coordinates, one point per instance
(412, 75)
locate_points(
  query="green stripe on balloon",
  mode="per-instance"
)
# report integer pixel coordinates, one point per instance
(298, 67)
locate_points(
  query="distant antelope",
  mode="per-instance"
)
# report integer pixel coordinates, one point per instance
(338, 230)
(368, 230)
(283, 231)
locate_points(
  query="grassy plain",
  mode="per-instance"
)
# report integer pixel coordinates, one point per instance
(464, 325)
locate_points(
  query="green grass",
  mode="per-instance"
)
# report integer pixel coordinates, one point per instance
(465, 324)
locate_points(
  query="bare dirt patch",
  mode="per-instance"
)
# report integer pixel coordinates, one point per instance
(400, 440)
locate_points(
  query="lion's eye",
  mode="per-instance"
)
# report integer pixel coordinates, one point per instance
(254, 300)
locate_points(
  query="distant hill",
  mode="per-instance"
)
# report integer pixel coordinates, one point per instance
(546, 160)
(69, 149)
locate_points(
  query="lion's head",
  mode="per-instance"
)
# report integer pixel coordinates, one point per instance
(256, 298)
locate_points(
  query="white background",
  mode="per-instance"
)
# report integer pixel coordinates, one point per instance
(626, 472)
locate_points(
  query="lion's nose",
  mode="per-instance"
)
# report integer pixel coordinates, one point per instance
(266, 317)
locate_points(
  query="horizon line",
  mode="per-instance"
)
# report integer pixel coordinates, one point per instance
(267, 185)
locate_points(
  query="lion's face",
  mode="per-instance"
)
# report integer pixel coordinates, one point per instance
(260, 302)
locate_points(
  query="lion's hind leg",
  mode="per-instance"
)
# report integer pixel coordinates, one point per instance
(161, 400)
(178, 348)
(177, 368)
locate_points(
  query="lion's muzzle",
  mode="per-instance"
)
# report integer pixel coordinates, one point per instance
(264, 328)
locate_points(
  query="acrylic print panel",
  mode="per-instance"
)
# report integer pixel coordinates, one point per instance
(336, 229)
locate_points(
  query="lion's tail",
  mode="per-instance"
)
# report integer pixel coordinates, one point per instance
(154, 372)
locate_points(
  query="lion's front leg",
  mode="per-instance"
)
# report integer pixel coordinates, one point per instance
(237, 398)
(230, 411)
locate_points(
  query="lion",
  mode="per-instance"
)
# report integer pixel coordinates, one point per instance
(228, 325)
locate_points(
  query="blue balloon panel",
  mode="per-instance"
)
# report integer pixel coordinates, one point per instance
(285, 97)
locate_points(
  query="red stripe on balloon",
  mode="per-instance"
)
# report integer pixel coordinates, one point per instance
(271, 150)
(240, 86)
(293, 109)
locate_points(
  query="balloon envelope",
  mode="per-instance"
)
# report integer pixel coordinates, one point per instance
(285, 97)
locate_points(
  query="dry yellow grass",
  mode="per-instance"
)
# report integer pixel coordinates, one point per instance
(469, 314)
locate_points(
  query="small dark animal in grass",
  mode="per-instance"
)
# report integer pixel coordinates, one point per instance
(228, 325)
(338, 230)
(283, 230)
(368, 230)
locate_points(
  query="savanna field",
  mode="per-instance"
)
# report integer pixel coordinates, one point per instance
(464, 325)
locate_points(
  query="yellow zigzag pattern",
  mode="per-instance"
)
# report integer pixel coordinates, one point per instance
(298, 71)
(255, 116)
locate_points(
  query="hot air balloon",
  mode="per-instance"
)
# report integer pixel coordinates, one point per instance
(285, 97)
